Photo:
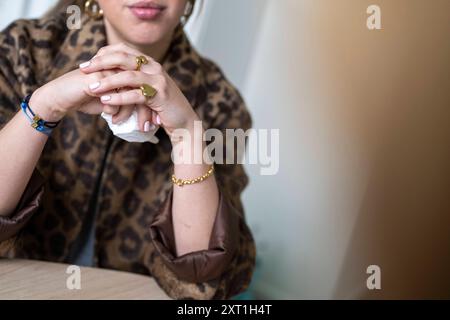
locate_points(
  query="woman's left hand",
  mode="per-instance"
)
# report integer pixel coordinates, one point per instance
(168, 108)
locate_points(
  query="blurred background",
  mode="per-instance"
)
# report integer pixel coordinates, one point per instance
(364, 120)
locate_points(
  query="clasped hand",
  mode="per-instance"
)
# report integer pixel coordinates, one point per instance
(110, 83)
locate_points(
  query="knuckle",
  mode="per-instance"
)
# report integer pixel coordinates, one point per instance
(118, 98)
(166, 94)
(160, 81)
(136, 95)
(109, 110)
(131, 75)
(107, 73)
(163, 93)
(122, 55)
(98, 60)
(94, 77)
(158, 68)
(146, 112)
(106, 83)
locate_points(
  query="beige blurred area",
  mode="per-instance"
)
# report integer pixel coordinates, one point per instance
(398, 86)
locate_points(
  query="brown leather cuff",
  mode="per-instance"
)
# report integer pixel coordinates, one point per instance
(28, 205)
(203, 265)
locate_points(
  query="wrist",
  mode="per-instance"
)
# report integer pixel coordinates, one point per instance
(189, 145)
(190, 132)
(40, 106)
(193, 123)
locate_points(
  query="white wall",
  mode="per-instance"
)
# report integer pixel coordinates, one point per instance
(227, 31)
(11, 10)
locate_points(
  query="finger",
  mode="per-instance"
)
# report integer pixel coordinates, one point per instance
(157, 119)
(111, 110)
(130, 97)
(93, 106)
(95, 77)
(116, 60)
(154, 117)
(152, 67)
(123, 114)
(115, 108)
(108, 73)
(132, 79)
(145, 118)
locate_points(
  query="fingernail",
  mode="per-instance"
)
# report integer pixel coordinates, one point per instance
(94, 86)
(105, 98)
(147, 126)
(158, 120)
(85, 64)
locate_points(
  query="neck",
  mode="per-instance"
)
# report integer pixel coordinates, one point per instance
(156, 50)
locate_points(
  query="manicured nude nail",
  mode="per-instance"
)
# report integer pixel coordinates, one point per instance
(94, 86)
(158, 120)
(85, 64)
(147, 126)
(105, 98)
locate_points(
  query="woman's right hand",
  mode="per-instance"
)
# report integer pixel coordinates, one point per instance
(69, 92)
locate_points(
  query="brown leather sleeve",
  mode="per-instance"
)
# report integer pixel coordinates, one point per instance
(28, 205)
(220, 272)
(203, 265)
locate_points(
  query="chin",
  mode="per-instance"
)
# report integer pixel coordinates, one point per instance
(145, 35)
(144, 41)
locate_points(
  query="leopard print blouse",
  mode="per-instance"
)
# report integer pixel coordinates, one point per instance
(86, 172)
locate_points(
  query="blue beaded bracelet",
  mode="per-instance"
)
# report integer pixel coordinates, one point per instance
(36, 122)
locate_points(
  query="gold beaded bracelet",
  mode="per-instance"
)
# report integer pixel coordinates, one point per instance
(183, 182)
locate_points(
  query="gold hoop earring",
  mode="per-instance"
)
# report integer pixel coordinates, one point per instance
(188, 12)
(92, 9)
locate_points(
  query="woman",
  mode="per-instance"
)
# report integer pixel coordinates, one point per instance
(73, 192)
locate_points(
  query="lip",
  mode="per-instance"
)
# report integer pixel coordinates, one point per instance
(146, 10)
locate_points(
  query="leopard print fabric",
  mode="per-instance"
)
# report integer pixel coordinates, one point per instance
(132, 181)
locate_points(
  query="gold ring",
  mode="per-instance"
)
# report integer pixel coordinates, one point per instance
(140, 60)
(148, 91)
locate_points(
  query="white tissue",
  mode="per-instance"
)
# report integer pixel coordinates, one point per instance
(129, 129)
